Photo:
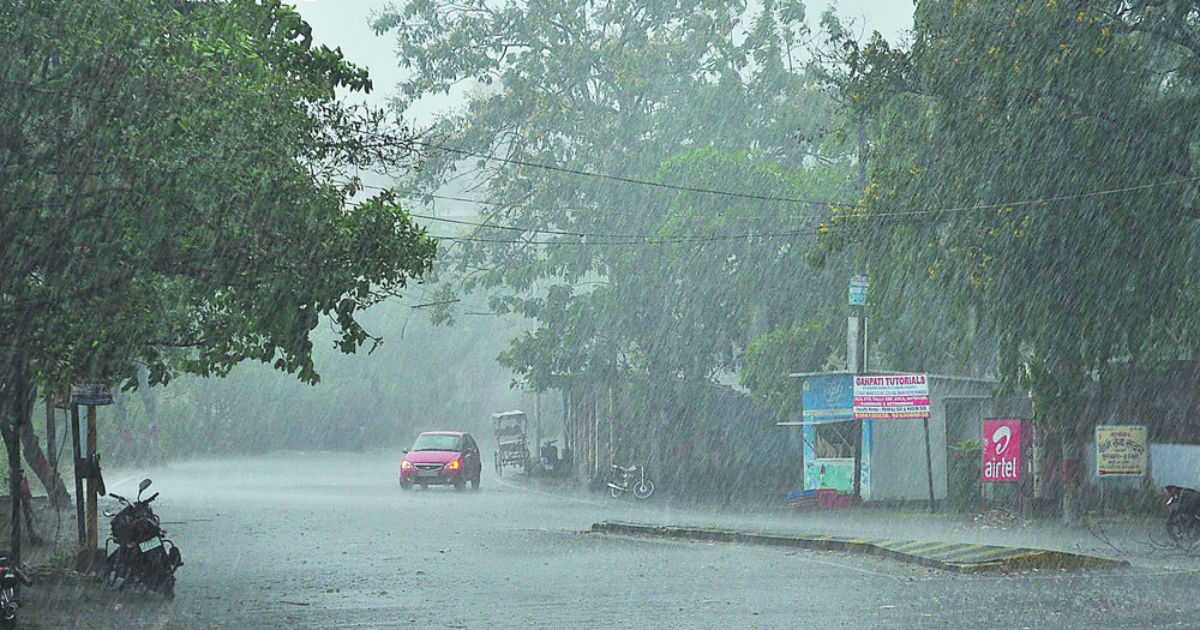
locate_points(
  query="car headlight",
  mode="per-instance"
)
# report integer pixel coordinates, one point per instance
(405, 465)
(454, 465)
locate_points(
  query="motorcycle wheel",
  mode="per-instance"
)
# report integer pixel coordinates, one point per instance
(168, 587)
(8, 610)
(1182, 528)
(108, 574)
(643, 489)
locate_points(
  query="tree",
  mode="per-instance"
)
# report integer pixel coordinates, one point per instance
(1034, 162)
(662, 275)
(175, 179)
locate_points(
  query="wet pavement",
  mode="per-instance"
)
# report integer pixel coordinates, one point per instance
(324, 540)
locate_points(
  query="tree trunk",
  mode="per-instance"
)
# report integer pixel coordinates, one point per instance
(46, 474)
(16, 407)
(1073, 512)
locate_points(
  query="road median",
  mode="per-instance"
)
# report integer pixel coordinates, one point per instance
(958, 557)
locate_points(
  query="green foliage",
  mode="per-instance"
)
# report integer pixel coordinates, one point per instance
(625, 278)
(770, 358)
(1033, 162)
(173, 193)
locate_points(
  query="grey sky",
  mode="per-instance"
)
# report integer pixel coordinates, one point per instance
(344, 23)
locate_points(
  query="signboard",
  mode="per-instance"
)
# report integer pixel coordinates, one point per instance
(858, 290)
(91, 394)
(828, 398)
(891, 396)
(1001, 450)
(1121, 450)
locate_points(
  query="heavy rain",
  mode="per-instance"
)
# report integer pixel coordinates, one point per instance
(599, 314)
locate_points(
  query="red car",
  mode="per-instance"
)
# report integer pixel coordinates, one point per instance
(441, 458)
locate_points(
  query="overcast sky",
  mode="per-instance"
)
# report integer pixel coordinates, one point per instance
(344, 23)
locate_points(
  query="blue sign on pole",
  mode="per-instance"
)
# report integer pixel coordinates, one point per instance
(828, 398)
(858, 290)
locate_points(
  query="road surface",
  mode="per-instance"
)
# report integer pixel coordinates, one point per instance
(325, 540)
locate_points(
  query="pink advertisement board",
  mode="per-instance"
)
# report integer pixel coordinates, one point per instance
(1001, 450)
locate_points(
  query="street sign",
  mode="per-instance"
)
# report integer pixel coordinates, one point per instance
(1001, 450)
(91, 394)
(1121, 450)
(891, 397)
(858, 290)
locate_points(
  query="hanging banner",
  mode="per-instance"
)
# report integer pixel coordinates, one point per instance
(1121, 450)
(1001, 450)
(891, 397)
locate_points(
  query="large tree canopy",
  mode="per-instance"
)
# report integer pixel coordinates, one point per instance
(1035, 161)
(176, 174)
(175, 179)
(669, 277)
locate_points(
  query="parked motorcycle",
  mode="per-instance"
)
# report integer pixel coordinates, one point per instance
(143, 554)
(10, 577)
(551, 463)
(630, 479)
(1183, 515)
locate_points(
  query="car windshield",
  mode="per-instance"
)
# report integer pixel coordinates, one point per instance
(437, 442)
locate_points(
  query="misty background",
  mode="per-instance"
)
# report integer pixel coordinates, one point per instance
(422, 376)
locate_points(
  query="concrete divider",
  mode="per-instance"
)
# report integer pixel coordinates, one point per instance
(961, 557)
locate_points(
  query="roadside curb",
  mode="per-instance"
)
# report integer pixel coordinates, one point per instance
(958, 557)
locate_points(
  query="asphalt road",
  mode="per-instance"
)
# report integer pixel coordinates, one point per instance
(326, 540)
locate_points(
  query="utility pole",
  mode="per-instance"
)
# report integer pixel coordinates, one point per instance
(857, 330)
(856, 359)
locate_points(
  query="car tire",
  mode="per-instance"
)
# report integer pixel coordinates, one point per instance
(406, 485)
(460, 485)
(475, 483)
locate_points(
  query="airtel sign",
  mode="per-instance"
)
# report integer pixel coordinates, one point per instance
(1001, 450)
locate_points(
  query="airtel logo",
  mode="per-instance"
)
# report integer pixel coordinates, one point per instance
(1000, 438)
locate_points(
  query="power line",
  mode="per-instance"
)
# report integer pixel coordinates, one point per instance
(587, 241)
(953, 209)
(593, 210)
(576, 233)
(623, 179)
(1038, 200)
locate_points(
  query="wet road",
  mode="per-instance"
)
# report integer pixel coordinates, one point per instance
(329, 541)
